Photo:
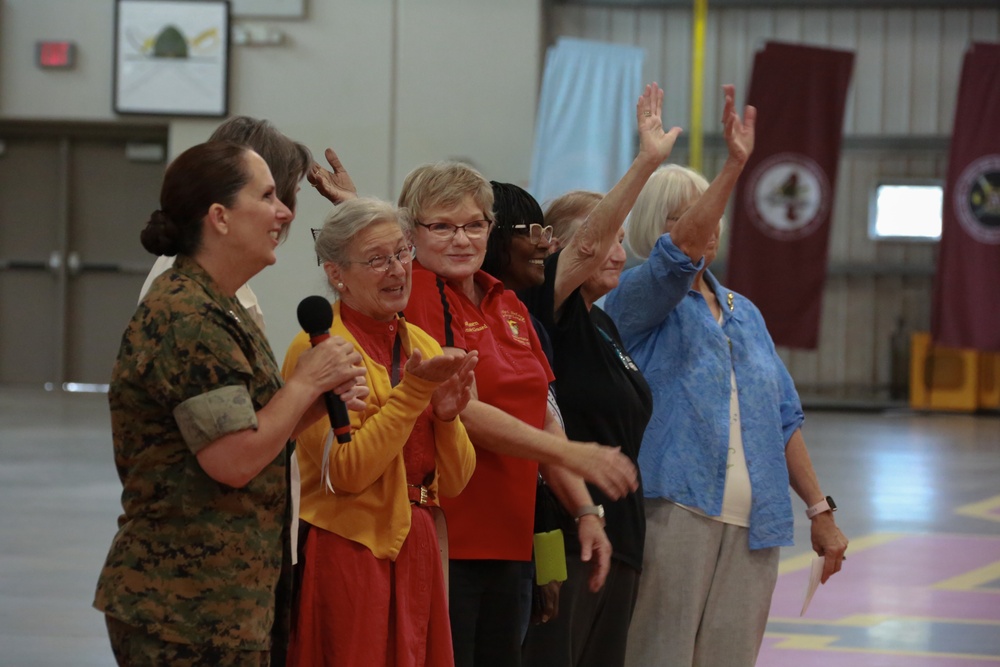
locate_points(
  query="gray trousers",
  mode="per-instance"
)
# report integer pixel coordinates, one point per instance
(705, 595)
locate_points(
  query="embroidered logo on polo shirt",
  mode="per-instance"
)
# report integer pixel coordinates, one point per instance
(473, 327)
(518, 327)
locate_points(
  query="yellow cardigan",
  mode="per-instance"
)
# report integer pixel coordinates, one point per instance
(370, 505)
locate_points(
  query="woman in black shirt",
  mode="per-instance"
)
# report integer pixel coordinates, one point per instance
(599, 390)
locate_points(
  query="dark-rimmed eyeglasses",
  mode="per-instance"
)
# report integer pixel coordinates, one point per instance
(535, 232)
(476, 229)
(382, 263)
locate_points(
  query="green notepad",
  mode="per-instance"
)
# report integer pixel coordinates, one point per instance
(550, 557)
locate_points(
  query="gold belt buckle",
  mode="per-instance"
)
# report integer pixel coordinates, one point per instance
(424, 494)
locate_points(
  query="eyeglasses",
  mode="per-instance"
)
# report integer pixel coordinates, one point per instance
(476, 229)
(382, 263)
(535, 232)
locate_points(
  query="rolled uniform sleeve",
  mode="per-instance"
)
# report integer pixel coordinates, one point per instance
(207, 417)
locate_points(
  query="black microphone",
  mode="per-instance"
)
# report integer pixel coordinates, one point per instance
(315, 317)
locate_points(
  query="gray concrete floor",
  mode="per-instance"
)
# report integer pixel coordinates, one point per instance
(59, 494)
(898, 472)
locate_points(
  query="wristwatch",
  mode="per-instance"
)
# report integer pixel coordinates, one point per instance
(825, 505)
(596, 510)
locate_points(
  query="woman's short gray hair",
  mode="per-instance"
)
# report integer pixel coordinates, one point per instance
(667, 191)
(350, 218)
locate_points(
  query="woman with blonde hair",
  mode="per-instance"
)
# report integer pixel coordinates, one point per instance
(490, 524)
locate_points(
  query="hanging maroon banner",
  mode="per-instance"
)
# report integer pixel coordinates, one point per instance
(781, 218)
(966, 311)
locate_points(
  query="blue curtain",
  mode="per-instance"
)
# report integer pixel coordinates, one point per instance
(585, 130)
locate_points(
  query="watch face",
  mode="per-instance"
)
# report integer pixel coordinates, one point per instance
(833, 505)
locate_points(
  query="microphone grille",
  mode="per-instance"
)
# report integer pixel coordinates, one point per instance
(315, 315)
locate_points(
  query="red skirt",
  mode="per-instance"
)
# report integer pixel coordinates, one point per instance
(356, 610)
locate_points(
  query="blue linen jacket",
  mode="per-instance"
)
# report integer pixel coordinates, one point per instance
(686, 358)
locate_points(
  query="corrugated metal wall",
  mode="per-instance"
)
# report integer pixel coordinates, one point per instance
(899, 114)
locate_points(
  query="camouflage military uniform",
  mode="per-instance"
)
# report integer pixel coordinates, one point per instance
(194, 561)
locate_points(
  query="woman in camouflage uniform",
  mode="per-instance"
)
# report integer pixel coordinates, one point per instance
(201, 424)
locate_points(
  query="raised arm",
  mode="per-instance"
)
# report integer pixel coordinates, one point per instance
(697, 226)
(588, 248)
(647, 293)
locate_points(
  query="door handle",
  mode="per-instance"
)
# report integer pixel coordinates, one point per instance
(73, 264)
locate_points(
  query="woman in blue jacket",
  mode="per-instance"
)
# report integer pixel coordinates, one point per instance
(724, 441)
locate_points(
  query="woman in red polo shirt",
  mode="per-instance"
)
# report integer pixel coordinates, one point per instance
(490, 523)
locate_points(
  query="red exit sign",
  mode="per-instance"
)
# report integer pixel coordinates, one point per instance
(55, 55)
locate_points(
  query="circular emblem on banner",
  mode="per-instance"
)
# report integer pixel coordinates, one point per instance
(977, 199)
(788, 196)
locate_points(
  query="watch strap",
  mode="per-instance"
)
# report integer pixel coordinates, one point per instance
(596, 510)
(825, 505)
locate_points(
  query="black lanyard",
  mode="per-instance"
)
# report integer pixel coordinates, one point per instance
(397, 352)
(625, 359)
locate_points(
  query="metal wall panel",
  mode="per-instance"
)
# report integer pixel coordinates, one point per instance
(907, 67)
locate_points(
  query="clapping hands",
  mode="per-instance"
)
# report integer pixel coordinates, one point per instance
(453, 372)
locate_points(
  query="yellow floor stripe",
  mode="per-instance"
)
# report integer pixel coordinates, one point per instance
(803, 561)
(972, 580)
(821, 643)
(984, 509)
(874, 620)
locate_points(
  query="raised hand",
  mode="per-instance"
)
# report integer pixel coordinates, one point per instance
(739, 133)
(654, 142)
(335, 185)
(452, 395)
(437, 369)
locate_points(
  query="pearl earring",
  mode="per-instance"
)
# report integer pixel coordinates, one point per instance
(340, 287)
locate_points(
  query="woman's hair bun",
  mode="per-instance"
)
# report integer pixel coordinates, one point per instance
(161, 235)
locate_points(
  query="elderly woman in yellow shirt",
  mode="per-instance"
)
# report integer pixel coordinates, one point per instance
(373, 588)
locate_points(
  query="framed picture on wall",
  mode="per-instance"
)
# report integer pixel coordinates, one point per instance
(172, 57)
